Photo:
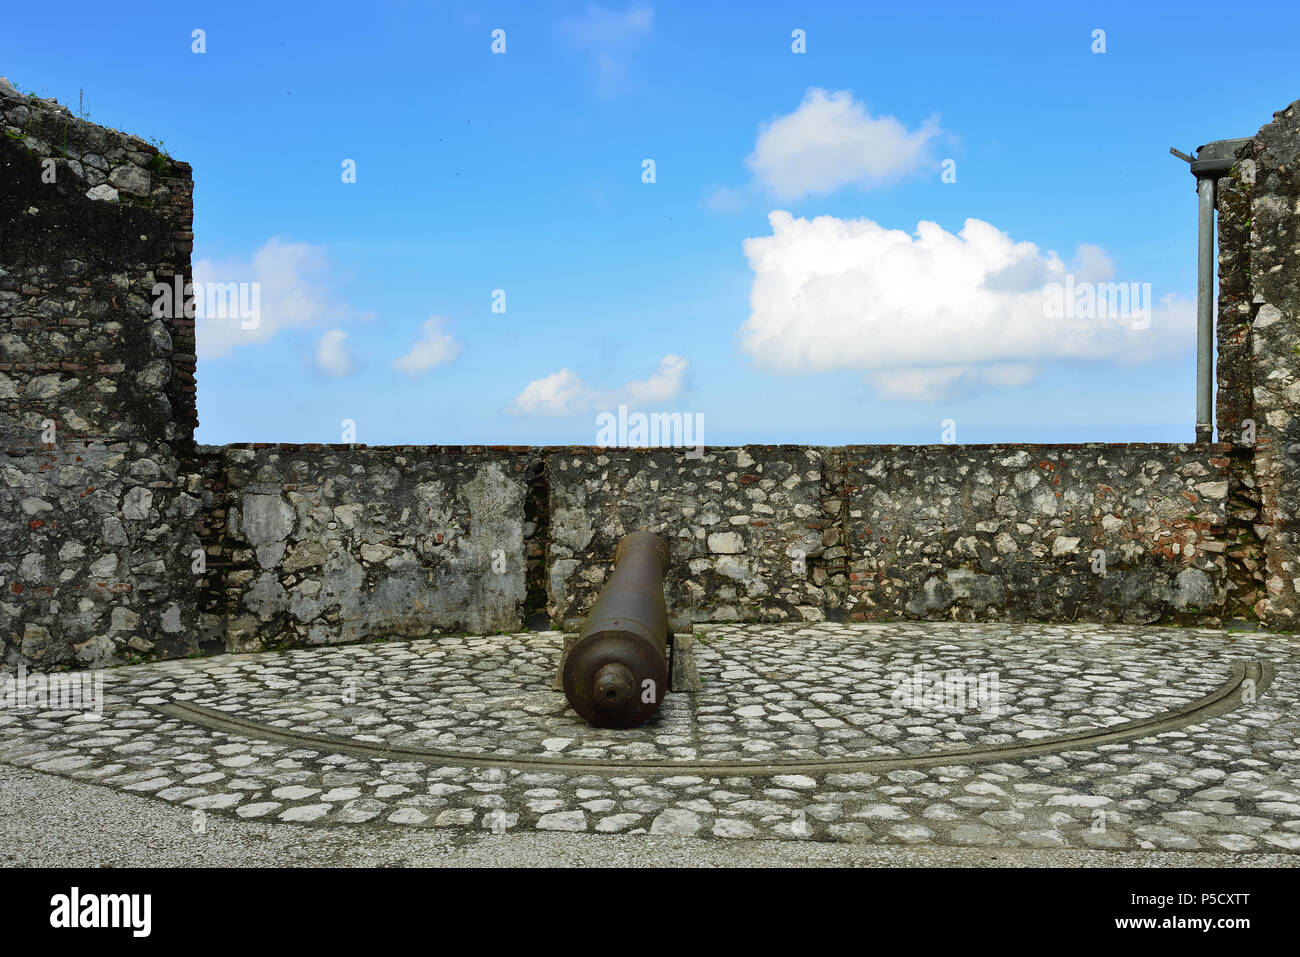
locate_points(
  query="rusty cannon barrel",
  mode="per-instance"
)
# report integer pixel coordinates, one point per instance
(616, 674)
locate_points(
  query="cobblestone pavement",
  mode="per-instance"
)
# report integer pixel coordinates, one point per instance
(862, 709)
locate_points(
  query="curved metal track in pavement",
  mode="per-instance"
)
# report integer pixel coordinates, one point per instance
(1248, 681)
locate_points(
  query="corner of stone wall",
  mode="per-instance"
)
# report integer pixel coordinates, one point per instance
(98, 518)
(1234, 399)
(205, 468)
(1272, 161)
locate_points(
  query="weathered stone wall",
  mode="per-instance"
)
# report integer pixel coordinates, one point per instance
(325, 544)
(97, 519)
(1128, 533)
(313, 544)
(1272, 161)
(1234, 399)
(744, 525)
(1099, 532)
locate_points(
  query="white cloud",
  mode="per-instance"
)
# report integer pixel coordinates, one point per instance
(934, 314)
(434, 348)
(666, 383)
(560, 393)
(288, 284)
(831, 141)
(332, 355)
(564, 392)
(610, 38)
(925, 385)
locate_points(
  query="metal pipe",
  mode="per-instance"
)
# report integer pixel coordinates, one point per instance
(1205, 310)
(616, 674)
(1211, 161)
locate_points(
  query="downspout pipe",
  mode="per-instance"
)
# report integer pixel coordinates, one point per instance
(1211, 161)
(1204, 308)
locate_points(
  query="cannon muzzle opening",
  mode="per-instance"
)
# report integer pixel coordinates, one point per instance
(616, 674)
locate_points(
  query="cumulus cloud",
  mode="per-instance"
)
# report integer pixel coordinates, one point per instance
(610, 38)
(434, 348)
(332, 355)
(934, 314)
(245, 302)
(564, 392)
(832, 141)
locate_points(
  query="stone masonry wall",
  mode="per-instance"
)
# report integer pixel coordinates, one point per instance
(97, 519)
(1272, 162)
(1234, 399)
(1129, 533)
(321, 544)
(326, 544)
(744, 526)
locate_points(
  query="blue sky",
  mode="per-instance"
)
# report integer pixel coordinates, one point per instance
(523, 172)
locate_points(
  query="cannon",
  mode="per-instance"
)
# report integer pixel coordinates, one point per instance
(617, 672)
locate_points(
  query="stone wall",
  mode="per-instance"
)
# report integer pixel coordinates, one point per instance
(121, 538)
(317, 544)
(326, 544)
(1272, 176)
(97, 516)
(1234, 398)
(745, 528)
(1131, 533)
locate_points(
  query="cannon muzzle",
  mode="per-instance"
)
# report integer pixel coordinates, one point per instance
(616, 674)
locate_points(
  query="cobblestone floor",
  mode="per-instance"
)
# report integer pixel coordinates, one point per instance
(823, 695)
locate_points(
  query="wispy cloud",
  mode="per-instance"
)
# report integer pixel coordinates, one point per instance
(434, 348)
(564, 392)
(611, 39)
(332, 355)
(295, 288)
(723, 199)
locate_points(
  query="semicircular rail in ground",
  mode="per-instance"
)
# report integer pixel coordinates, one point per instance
(1248, 680)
